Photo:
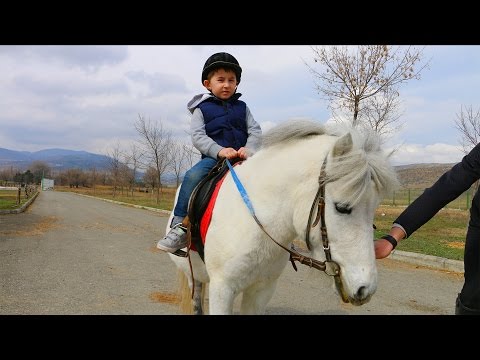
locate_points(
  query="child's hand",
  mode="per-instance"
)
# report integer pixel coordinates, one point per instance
(243, 152)
(229, 153)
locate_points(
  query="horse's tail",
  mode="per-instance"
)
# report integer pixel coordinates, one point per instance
(185, 294)
(187, 305)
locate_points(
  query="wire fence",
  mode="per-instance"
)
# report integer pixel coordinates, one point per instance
(405, 197)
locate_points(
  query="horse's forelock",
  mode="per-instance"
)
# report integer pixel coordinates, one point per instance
(366, 162)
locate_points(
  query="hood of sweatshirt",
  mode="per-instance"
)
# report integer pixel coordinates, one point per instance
(197, 99)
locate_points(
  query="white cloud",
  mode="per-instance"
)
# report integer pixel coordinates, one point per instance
(417, 154)
(88, 97)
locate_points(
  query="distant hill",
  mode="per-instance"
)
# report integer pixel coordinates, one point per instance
(57, 159)
(414, 176)
(421, 176)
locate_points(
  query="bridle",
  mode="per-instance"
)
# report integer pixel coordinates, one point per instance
(329, 266)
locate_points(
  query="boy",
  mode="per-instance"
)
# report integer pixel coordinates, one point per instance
(222, 127)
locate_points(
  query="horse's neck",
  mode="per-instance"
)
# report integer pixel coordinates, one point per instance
(291, 165)
(286, 177)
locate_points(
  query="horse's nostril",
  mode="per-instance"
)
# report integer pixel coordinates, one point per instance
(361, 293)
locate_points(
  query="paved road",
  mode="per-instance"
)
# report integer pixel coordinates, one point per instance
(69, 254)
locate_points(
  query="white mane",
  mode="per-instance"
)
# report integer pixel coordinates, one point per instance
(292, 130)
(366, 160)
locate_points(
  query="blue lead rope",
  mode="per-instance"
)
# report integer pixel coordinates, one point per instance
(241, 189)
(294, 255)
(247, 202)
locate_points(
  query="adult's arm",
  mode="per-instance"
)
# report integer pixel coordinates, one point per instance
(447, 188)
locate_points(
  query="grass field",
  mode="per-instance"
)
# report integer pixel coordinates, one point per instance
(443, 235)
(167, 196)
(9, 199)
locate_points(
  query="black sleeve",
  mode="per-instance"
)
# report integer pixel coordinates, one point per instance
(446, 189)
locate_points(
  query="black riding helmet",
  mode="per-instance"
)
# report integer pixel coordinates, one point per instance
(221, 60)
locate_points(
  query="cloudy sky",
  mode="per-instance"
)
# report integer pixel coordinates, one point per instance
(82, 97)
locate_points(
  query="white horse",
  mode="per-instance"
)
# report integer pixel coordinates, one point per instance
(302, 169)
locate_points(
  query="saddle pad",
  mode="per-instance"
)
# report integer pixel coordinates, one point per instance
(207, 215)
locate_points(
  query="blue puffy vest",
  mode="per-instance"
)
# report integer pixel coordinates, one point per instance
(226, 121)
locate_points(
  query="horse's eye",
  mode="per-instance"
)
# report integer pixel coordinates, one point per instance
(343, 208)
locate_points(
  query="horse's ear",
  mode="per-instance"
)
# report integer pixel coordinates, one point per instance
(343, 145)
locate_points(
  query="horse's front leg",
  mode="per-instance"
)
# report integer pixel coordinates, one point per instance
(220, 297)
(257, 296)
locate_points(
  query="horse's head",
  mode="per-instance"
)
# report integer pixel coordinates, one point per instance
(356, 175)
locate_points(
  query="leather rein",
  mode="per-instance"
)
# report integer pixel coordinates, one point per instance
(329, 266)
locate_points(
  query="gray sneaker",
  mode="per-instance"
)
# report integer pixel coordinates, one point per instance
(174, 240)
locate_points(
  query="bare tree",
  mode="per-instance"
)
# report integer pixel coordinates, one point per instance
(468, 123)
(75, 177)
(177, 158)
(383, 114)
(114, 166)
(7, 174)
(103, 178)
(126, 177)
(183, 157)
(150, 178)
(39, 169)
(94, 178)
(353, 75)
(157, 142)
(192, 155)
(134, 160)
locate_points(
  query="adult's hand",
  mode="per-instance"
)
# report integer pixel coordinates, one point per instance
(383, 248)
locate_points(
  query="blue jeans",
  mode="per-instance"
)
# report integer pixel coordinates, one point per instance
(190, 181)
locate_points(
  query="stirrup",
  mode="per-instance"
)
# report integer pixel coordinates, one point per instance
(180, 253)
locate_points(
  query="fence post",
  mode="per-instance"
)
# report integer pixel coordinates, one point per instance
(18, 195)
